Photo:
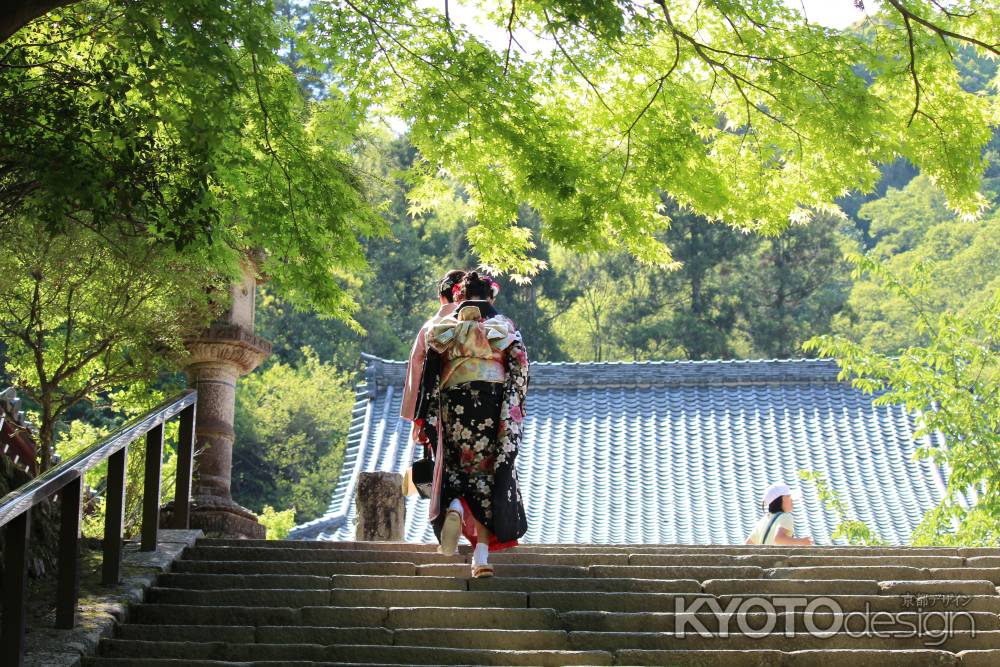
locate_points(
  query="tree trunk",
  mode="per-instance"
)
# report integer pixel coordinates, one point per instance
(16, 14)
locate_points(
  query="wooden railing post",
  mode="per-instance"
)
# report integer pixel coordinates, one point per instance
(114, 518)
(68, 589)
(151, 489)
(15, 589)
(67, 480)
(181, 517)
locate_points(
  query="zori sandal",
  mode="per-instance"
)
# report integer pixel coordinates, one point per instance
(484, 570)
(449, 533)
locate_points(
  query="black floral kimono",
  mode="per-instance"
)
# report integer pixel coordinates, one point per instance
(474, 425)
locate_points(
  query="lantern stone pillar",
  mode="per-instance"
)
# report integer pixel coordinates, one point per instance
(381, 510)
(218, 358)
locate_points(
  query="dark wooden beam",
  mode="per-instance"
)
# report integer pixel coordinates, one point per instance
(15, 14)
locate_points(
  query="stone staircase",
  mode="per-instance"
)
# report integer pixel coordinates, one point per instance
(284, 604)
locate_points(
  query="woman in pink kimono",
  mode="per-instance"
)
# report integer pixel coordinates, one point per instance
(447, 292)
(471, 405)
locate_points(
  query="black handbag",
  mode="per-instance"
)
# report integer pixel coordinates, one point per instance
(422, 474)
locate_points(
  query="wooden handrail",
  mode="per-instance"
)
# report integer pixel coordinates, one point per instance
(66, 479)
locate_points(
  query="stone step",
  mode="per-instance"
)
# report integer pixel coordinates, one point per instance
(481, 637)
(615, 641)
(295, 590)
(585, 584)
(870, 603)
(397, 582)
(226, 581)
(868, 561)
(595, 600)
(315, 568)
(427, 582)
(338, 597)
(872, 572)
(389, 617)
(601, 621)
(783, 560)
(492, 617)
(979, 658)
(265, 634)
(669, 602)
(884, 573)
(364, 653)
(938, 586)
(506, 570)
(773, 658)
(496, 646)
(302, 555)
(754, 658)
(790, 587)
(991, 574)
(696, 572)
(426, 547)
(168, 614)
(850, 626)
(157, 662)
(847, 587)
(473, 617)
(316, 555)
(254, 603)
(969, 552)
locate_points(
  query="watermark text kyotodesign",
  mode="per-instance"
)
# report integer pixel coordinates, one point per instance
(760, 616)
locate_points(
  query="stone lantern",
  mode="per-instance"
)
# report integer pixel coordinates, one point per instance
(228, 350)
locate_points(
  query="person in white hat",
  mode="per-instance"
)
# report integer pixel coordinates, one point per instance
(777, 524)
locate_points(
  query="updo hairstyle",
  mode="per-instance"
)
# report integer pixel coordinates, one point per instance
(477, 286)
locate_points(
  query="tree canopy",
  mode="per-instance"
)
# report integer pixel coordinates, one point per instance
(178, 124)
(180, 120)
(742, 111)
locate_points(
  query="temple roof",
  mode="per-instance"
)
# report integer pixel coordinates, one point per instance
(675, 452)
(17, 434)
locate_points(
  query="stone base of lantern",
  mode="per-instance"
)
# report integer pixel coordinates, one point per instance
(219, 517)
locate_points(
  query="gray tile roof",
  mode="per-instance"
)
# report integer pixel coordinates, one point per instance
(668, 452)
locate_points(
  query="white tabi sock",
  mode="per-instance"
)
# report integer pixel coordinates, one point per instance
(480, 553)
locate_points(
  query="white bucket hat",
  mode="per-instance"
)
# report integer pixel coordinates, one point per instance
(778, 490)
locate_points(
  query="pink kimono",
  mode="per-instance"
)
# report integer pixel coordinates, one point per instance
(413, 369)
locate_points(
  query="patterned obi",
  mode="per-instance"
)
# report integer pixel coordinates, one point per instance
(471, 347)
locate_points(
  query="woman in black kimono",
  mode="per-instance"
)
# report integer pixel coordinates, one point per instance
(471, 407)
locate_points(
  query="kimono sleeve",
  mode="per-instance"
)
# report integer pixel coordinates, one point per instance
(425, 414)
(516, 365)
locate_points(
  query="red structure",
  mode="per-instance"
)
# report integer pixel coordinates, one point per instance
(16, 440)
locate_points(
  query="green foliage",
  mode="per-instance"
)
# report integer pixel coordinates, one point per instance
(177, 125)
(955, 264)
(78, 436)
(734, 295)
(80, 317)
(853, 531)
(291, 427)
(949, 384)
(145, 150)
(743, 112)
(278, 524)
